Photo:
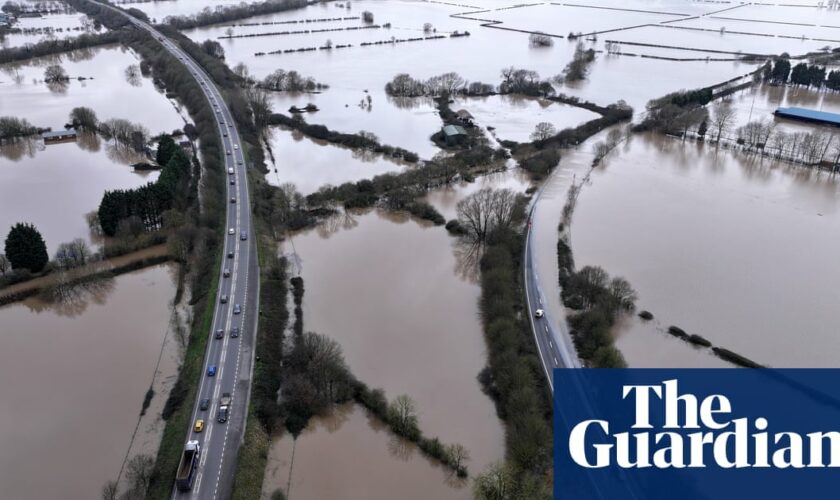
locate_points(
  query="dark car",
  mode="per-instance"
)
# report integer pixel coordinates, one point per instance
(243, 236)
(211, 371)
(230, 254)
(222, 415)
(223, 299)
(204, 404)
(220, 333)
(234, 332)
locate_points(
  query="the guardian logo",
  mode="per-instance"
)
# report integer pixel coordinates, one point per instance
(696, 432)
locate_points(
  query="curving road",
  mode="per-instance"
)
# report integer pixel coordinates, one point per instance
(232, 357)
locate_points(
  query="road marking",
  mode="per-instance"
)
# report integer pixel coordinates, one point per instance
(546, 328)
(555, 360)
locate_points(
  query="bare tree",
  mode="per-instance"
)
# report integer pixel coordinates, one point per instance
(55, 73)
(497, 482)
(73, 254)
(403, 413)
(722, 116)
(139, 471)
(543, 131)
(260, 103)
(485, 211)
(109, 491)
(457, 455)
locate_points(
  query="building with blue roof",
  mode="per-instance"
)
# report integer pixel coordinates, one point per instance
(809, 115)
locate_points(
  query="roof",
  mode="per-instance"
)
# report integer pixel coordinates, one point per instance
(58, 133)
(809, 114)
(451, 130)
(463, 113)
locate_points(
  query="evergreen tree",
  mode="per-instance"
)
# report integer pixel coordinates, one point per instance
(166, 148)
(25, 248)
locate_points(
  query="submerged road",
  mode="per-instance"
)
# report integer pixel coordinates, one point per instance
(231, 356)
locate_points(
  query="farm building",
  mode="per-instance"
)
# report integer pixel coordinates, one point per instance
(59, 136)
(454, 134)
(809, 115)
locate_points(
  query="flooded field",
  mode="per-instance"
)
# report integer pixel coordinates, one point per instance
(310, 163)
(391, 468)
(158, 10)
(411, 327)
(513, 117)
(106, 89)
(48, 26)
(80, 371)
(34, 179)
(713, 242)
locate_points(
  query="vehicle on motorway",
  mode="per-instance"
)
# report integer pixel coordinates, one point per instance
(230, 254)
(243, 236)
(236, 146)
(226, 273)
(234, 332)
(220, 334)
(539, 313)
(239, 162)
(227, 152)
(224, 134)
(231, 125)
(224, 408)
(231, 231)
(230, 170)
(223, 299)
(186, 467)
(232, 181)
(199, 425)
(237, 309)
(233, 199)
(211, 371)
(204, 404)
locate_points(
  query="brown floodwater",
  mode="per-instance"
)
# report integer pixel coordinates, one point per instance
(729, 246)
(34, 180)
(75, 376)
(351, 455)
(310, 163)
(403, 307)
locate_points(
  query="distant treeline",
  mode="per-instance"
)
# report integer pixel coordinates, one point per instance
(299, 21)
(57, 46)
(300, 32)
(231, 13)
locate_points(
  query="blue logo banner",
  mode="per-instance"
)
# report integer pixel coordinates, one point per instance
(696, 434)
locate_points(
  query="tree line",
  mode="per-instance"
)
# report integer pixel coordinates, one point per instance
(147, 203)
(808, 75)
(209, 16)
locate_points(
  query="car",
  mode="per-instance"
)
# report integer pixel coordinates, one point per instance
(204, 404)
(224, 134)
(226, 273)
(232, 181)
(539, 313)
(243, 236)
(234, 332)
(199, 425)
(236, 146)
(230, 254)
(220, 334)
(227, 152)
(237, 309)
(239, 162)
(233, 199)
(231, 125)
(231, 231)
(222, 415)
(211, 371)
(217, 111)
(223, 299)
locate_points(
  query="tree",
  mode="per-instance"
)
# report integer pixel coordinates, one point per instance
(213, 48)
(109, 491)
(84, 118)
(25, 248)
(540, 40)
(260, 103)
(4, 264)
(485, 211)
(367, 16)
(73, 254)
(578, 66)
(497, 482)
(55, 73)
(139, 470)
(427, 28)
(543, 131)
(457, 454)
(242, 71)
(166, 148)
(722, 115)
(403, 415)
(703, 128)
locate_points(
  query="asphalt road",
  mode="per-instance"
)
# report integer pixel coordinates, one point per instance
(232, 357)
(554, 343)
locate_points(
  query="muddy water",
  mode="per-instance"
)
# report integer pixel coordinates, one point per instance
(415, 329)
(107, 91)
(310, 164)
(34, 180)
(727, 246)
(76, 375)
(326, 463)
(514, 117)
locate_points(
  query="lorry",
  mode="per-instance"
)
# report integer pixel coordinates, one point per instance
(187, 466)
(224, 408)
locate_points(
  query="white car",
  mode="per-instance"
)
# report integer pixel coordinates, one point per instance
(539, 313)
(231, 231)
(236, 146)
